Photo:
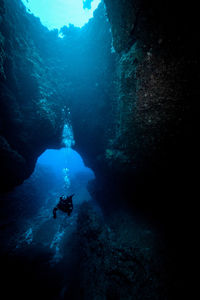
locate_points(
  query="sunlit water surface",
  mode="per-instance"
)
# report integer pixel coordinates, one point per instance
(55, 14)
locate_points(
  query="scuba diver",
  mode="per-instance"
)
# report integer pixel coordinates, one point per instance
(65, 204)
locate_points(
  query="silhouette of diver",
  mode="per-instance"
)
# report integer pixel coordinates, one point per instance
(65, 204)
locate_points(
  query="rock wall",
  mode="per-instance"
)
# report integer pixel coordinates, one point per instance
(147, 163)
(30, 110)
(90, 93)
(121, 263)
(157, 82)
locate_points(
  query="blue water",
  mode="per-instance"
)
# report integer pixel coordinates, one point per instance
(57, 172)
(58, 160)
(55, 14)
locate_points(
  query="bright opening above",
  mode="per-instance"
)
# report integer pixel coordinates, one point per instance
(54, 14)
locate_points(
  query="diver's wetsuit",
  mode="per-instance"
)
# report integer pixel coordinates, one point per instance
(65, 204)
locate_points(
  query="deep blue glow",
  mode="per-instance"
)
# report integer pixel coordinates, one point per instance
(58, 13)
(61, 159)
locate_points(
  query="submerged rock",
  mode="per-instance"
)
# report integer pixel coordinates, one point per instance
(113, 266)
(31, 120)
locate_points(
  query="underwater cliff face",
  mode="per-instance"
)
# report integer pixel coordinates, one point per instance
(31, 120)
(155, 74)
(156, 82)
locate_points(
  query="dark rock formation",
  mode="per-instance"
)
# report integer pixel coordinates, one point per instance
(157, 75)
(90, 94)
(117, 263)
(147, 161)
(31, 120)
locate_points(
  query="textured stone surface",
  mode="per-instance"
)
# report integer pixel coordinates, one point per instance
(148, 159)
(156, 84)
(120, 259)
(31, 120)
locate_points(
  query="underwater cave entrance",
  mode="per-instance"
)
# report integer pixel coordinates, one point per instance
(30, 213)
(60, 172)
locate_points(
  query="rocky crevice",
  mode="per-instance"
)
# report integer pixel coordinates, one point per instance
(130, 110)
(131, 116)
(43, 80)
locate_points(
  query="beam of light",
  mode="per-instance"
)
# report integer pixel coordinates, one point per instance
(54, 14)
